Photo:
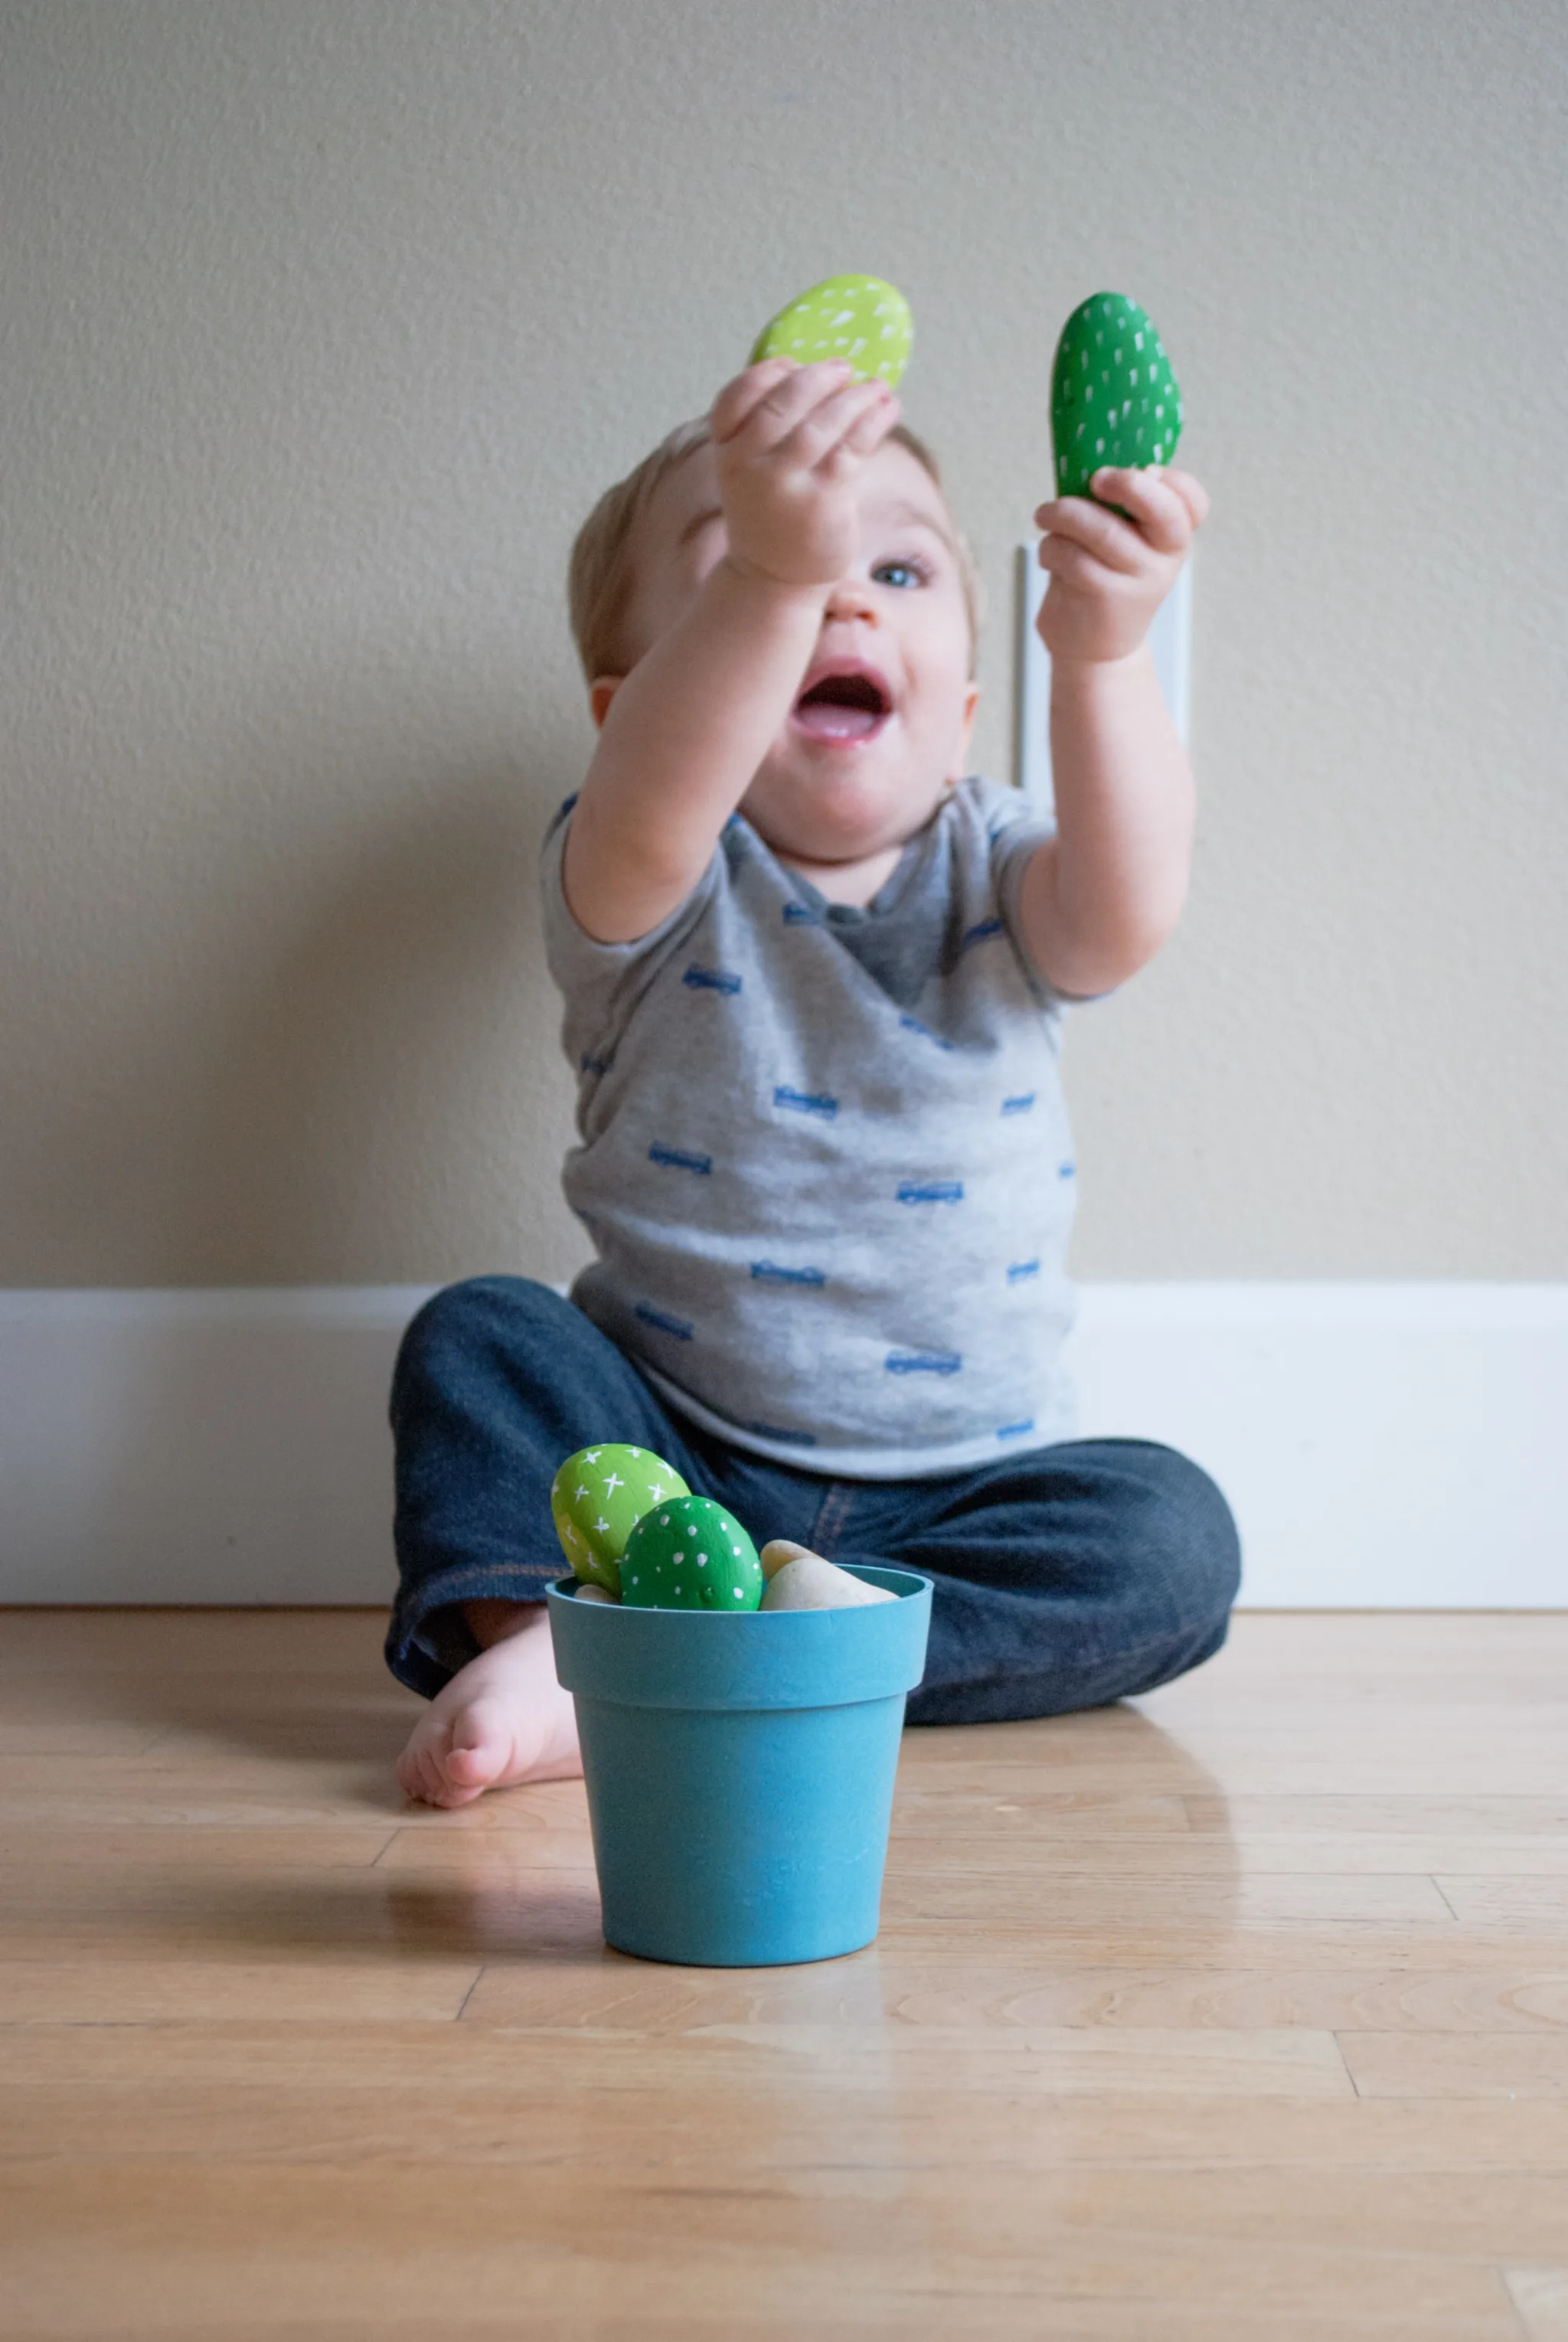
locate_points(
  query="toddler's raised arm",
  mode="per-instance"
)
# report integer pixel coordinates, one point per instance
(731, 579)
(1100, 898)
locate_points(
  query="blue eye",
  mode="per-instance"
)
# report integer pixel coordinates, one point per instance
(900, 574)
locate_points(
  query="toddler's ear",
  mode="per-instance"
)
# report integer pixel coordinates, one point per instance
(601, 691)
(971, 702)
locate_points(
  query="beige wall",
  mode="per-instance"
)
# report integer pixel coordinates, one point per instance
(323, 320)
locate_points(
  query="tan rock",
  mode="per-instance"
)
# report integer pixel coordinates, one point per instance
(778, 1550)
(801, 1580)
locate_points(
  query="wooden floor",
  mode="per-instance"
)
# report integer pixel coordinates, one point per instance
(1239, 2013)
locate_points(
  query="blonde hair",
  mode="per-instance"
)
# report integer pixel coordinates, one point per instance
(600, 576)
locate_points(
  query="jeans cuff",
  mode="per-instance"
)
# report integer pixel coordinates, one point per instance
(429, 1640)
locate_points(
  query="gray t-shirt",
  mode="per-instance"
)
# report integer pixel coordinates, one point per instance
(824, 1159)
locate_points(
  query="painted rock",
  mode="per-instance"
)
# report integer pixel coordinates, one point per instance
(1113, 398)
(855, 317)
(596, 1499)
(799, 1580)
(691, 1554)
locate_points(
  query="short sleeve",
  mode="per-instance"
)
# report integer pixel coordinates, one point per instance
(601, 984)
(1017, 826)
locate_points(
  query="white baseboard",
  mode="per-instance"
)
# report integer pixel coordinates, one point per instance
(1384, 1445)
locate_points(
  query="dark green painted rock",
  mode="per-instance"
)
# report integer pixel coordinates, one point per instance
(691, 1554)
(596, 1499)
(858, 318)
(1113, 398)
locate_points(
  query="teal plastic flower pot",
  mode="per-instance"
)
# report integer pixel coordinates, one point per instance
(740, 1770)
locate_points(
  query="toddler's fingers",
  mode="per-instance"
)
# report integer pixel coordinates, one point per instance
(1193, 493)
(1113, 541)
(851, 422)
(1160, 518)
(865, 435)
(738, 398)
(1159, 512)
(824, 423)
(792, 396)
(1078, 565)
(863, 438)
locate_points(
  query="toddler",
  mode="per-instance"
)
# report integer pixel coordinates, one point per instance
(814, 977)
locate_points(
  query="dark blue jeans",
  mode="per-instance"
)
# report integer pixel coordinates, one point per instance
(1065, 1578)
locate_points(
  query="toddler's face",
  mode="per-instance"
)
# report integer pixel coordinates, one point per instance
(881, 723)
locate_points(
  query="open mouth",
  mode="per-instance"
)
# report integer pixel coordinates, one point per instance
(846, 706)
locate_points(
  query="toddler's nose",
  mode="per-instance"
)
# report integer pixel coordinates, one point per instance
(850, 603)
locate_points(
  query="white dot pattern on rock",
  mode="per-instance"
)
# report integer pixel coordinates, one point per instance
(1135, 408)
(726, 1572)
(860, 318)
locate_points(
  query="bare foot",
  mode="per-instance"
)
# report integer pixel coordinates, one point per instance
(503, 1718)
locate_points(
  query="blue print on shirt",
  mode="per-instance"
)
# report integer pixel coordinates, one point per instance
(680, 1327)
(1020, 1104)
(710, 979)
(1014, 1430)
(930, 1191)
(1022, 1269)
(980, 933)
(679, 1160)
(913, 1024)
(770, 1272)
(923, 1362)
(786, 1438)
(796, 915)
(805, 1102)
(596, 1065)
(1067, 1171)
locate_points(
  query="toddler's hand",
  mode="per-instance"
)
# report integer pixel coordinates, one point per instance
(1108, 575)
(789, 441)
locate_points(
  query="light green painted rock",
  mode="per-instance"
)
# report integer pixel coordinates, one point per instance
(855, 317)
(1113, 398)
(596, 1499)
(691, 1554)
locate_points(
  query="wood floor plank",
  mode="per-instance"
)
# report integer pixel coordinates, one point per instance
(912, 1992)
(835, 2059)
(408, 2096)
(1507, 1902)
(1459, 2066)
(96, 1991)
(63, 1868)
(992, 1841)
(1011, 1900)
(1541, 2297)
(1244, 1814)
(71, 2236)
(998, 2321)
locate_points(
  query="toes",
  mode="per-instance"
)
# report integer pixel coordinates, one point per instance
(480, 1745)
(419, 1768)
